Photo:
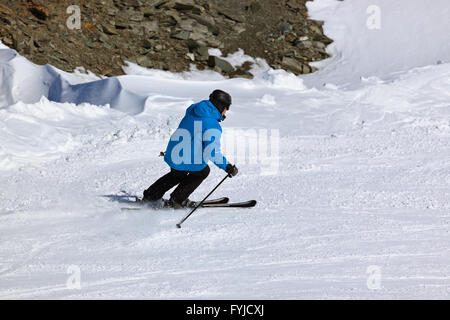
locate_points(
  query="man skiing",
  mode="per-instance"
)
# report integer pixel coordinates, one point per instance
(192, 145)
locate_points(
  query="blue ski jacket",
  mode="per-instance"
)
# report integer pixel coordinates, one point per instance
(197, 139)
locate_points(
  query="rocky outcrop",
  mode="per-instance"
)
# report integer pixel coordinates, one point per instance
(163, 34)
(38, 11)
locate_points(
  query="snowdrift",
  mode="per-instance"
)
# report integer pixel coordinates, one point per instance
(101, 92)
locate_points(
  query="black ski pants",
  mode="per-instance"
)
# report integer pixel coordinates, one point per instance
(187, 182)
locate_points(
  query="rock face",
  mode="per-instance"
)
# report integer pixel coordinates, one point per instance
(163, 34)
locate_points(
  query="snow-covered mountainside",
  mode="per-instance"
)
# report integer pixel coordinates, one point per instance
(353, 201)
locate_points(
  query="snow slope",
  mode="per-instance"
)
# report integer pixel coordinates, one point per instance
(361, 182)
(379, 37)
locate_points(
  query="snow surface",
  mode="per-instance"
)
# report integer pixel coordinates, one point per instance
(379, 37)
(362, 182)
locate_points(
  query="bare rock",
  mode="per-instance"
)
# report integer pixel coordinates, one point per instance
(223, 65)
(108, 29)
(8, 41)
(144, 61)
(191, 56)
(146, 44)
(231, 14)
(188, 5)
(150, 26)
(198, 48)
(182, 35)
(128, 3)
(208, 22)
(187, 24)
(136, 16)
(286, 27)
(292, 65)
(239, 28)
(159, 34)
(5, 10)
(161, 4)
(37, 10)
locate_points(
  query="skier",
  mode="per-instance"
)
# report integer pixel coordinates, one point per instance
(188, 168)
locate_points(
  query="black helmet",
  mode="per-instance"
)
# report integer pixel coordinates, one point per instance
(220, 99)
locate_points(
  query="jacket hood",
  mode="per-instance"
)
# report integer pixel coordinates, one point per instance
(205, 109)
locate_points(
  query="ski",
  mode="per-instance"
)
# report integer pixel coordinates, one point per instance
(223, 200)
(138, 205)
(244, 204)
(194, 203)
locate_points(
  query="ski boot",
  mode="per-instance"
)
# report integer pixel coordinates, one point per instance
(172, 203)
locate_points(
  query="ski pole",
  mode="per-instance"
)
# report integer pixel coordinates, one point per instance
(201, 202)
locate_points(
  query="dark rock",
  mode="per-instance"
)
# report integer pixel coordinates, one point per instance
(38, 11)
(148, 11)
(199, 36)
(8, 41)
(108, 29)
(306, 69)
(192, 44)
(103, 38)
(239, 28)
(88, 42)
(232, 15)
(172, 18)
(137, 29)
(161, 3)
(289, 54)
(188, 5)
(108, 46)
(292, 65)
(136, 16)
(202, 51)
(150, 26)
(214, 43)
(199, 28)
(121, 24)
(182, 35)
(5, 20)
(319, 45)
(129, 3)
(208, 22)
(255, 7)
(111, 11)
(144, 61)
(146, 44)
(187, 24)
(225, 66)
(305, 44)
(123, 20)
(286, 27)
(5, 10)
(160, 33)
(291, 37)
(316, 29)
(199, 48)
(294, 4)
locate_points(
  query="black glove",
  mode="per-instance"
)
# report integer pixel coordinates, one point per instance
(231, 170)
